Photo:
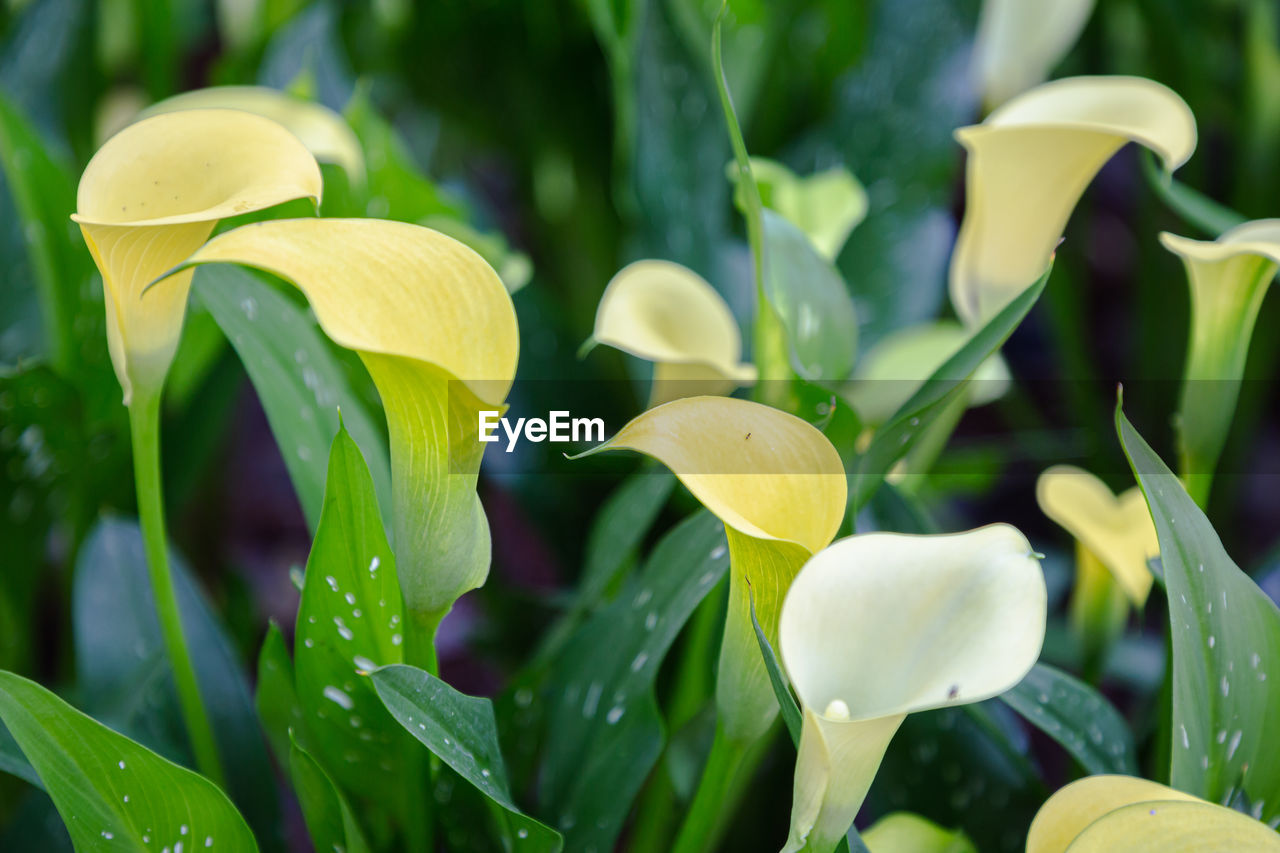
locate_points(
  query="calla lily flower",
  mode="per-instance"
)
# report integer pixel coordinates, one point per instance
(153, 194)
(825, 205)
(1029, 163)
(778, 485)
(437, 331)
(1020, 41)
(882, 625)
(1115, 531)
(1229, 278)
(1099, 814)
(668, 314)
(904, 832)
(898, 365)
(325, 133)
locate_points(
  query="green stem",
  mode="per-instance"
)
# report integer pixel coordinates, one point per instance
(144, 423)
(710, 810)
(420, 644)
(419, 816)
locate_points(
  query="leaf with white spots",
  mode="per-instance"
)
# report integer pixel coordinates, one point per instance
(299, 380)
(461, 731)
(1077, 717)
(114, 794)
(1226, 649)
(350, 621)
(601, 696)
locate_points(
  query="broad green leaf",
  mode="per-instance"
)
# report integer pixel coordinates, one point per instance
(893, 440)
(1077, 717)
(276, 698)
(619, 529)
(350, 622)
(460, 731)
(1226, 648)
(111, 792)
(602, 702)
(812, 302)
(301, 384)
(13, 762)
(124, 679)
(903, 832)
(330, 822)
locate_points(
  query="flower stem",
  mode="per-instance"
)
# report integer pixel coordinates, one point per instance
(144, 423)
(712, 804)
(420, 640)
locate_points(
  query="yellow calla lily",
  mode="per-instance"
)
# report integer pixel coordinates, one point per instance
(1117, 531)
(779, 487)
(668, 314)
(1099, 814)
(1229, 279)
(437, 331)
(325, 133)
(1020, 41)
(825, 205)
(904, 832)
(152, 194)
(1029, 163)
(882, 625)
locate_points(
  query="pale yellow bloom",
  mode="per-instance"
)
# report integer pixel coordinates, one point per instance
(1028, 165)
(882, 625)
(669, 315)
(1118, 531)
(1101, 814)
(437, 331)
(779, 487)
(153, 194)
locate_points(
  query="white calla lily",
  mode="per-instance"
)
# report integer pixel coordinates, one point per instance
(1229, 278)
(1029, 163)
(668, 314)
(882, 625)
(1020, 41)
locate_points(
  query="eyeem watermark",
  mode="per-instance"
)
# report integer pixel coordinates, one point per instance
(559, 427)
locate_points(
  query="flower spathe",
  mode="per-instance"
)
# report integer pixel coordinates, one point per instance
(437, 331)
(882, 625)
(1099, 814)
(1019, 42)
(668, 314)
(325, 133)
(1028, 165)
(153, 194)
(1229, 278)
(778, 485)
(1117, 530)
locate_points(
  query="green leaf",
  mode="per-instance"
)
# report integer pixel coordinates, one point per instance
(1226, 648)
(1077, 717)
(896, 438)
(781, 687)
(602, 702)
(619, 529)
(811, 300)
(276, 699)
(113, 793)
(329, 819)
(125, 679)
(350, 621)
(301, 384)
(460, 730)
